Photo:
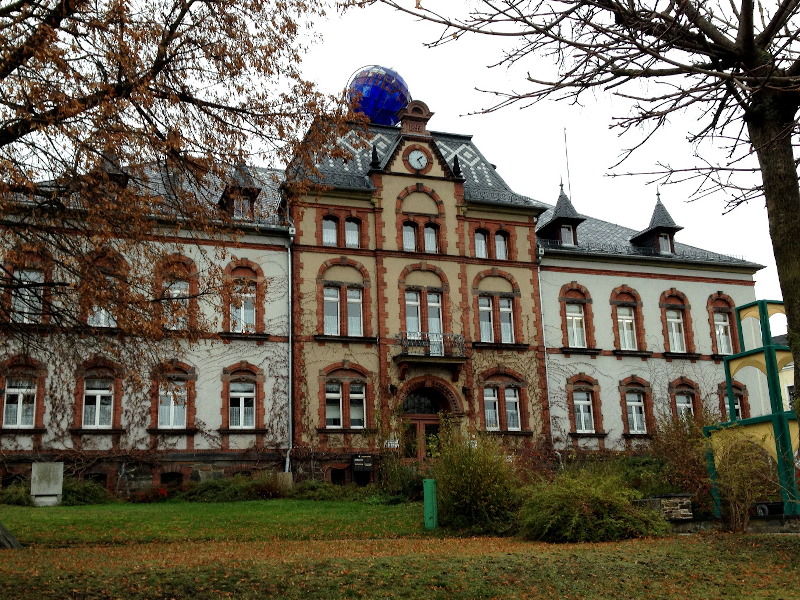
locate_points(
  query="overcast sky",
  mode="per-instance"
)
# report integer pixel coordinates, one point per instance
(528, 145)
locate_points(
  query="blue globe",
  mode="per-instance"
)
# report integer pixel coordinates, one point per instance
(380, 93)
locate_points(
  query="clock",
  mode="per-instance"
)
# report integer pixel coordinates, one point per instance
(417, 159)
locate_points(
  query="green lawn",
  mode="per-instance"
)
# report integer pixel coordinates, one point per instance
(338, 550)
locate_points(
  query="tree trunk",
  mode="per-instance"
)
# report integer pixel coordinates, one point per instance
(7, 540)
(769, 125)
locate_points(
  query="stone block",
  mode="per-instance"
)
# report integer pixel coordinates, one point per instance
(47, 483)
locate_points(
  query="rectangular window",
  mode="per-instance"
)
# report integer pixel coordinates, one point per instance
(627, 328)
(19, 402)
(413, 316)
(722, 328)
(97, 403)
(481, 250)
(351, 234)
(677, 339)
(101, 317)
(506, 320)
(485, 318)
(635, 407)
(26, 296)
(243, 307)
(242, 405)
(664, 243)
(176, 305)
(490, 409)
(684, 405)
(430, 239)
(172, 405)
(567, 235)
(333, 405)
(409, 238)
(357, 396)
(500, 246)
(512, 409)
(331, 310)
(582, 405)
(435, 337)
(354, 314)
(576, 329)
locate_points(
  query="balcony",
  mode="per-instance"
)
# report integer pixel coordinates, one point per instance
(415, 348)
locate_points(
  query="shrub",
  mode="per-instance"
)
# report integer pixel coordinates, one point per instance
(16, 494)
(477, 488)
(77, 492)
(582, 506)
(233, 489)
(315, 489)
(399, 479)
(155, 493)
(745, 474)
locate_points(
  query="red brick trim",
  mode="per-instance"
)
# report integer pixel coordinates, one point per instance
(24, 366)
(683, 385)
(673, 299)
(185, 372)
(722, 303)
(38, 260)
(515, 296)
(575, 293)
(366, 299)
(242, 371)
(739, 389)
(580, 383)
(490, 229)
(665, 277)
(637, 384)
(627, 296)
(498, 377)
(408, 150)
(345, 373)
(430, 381)
(247, 270)
(177, 267)
(103, 368)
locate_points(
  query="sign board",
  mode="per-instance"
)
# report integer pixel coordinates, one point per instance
(363, 463)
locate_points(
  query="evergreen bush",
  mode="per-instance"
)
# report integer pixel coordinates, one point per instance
(232, 489)
(78, 492)
(16, 494)
(584, 506)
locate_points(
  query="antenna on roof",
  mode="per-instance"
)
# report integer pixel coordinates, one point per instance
(566, 153)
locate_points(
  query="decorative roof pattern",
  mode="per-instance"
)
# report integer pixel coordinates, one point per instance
(482, 183)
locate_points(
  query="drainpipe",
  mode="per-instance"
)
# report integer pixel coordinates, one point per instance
(544, 343)
(287, 468)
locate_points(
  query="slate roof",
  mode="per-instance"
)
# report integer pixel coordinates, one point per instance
(482, 183)
(661, 220)
(601, 238)
(563, 210)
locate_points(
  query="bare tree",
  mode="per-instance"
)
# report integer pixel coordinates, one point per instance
(737, 64)
(124, 122)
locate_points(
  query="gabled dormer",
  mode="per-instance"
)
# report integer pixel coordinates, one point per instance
(239, 195)
(660, 235)
(562, 224)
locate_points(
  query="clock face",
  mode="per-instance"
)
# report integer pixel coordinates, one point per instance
(417, 159)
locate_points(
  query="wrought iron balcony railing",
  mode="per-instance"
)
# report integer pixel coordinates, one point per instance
(421, 343)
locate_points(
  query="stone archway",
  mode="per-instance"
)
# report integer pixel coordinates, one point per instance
(422, 408)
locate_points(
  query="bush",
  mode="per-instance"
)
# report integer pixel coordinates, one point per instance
(477, 488)
(77, 492)
(315, 489)
(233, 489)
(581, 506)
(155, 493)
(399, 479)
(16, 494)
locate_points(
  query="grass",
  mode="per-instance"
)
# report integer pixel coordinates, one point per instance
(301, 549)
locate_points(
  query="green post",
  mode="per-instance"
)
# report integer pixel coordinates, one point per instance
(429, 503)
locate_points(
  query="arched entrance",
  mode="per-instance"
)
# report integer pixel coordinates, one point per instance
(421, 410)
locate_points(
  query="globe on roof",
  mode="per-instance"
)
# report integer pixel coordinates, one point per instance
(379, 93)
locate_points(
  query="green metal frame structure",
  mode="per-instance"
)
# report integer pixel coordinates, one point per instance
(769, 359)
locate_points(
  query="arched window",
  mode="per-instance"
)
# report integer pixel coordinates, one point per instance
(99, 397)
(174, 400)
(501, 245)
(352, 233)
(497, 309)
(419, 216)
(177, 284)
(104, 289)
(22, 392)
(685, 400)
(481, 244)
(720, 317)
(243, 394)
(344, 299)
(583, 400)
(504, 397)
(626, 312)
(27, 297)
(741, 405)
(330, 234)
(576, 317)
(677, 322)
(637, 404)
(245, 290)
(345, 396)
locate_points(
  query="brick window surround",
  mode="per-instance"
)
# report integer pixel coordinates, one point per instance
(739, 391)
(98, 368)
(483, 287)
(34, 262)
(674, 300)
(419, 220)
(177, 268)
(687, 387)
(625, 296)
(244, 272)
(361, 282)
(242, 372)
(584, 383)
(354, 387)
(491, 231)
(634, 384)
(340, 217)
(575, 293)
(187, 376)
(19, 367)
(722, 304)
(500, 379)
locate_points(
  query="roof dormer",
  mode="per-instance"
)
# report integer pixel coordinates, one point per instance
(562, 226)
(660, 235)
(414, 118)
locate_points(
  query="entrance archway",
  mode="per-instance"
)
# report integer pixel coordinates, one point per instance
(421, 410)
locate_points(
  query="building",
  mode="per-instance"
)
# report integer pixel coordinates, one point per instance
(416, 299)
(636, 325)
(170, 411)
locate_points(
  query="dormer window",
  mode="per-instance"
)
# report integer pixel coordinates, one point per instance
(665, 243)
(568, 235)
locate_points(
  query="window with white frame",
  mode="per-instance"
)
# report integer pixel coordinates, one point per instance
(626, 324)
(722, 329)
(576, 325)
(242, 405)
(345, 404)
(568, 235)
(430, 234)
(357, 398)
(433, 334)
(491, 409)
(176, 305)
(352, 234)
(243, 306)
(26, 296)
(330, 236)
(331, 310)
(634, 401)
(98, 403)
(675, 331)
(684, 404)
(333, 319)
(512, 408)
(413, 319)
(172, 399)
(664, 243)
(507, 419)
(582, 407)
(101, 316)
(355, 325)
(333, 405)
(485, 317)
(19, 402)
(409, 237)
(506, 307)
(501, 245)
(481, 247)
